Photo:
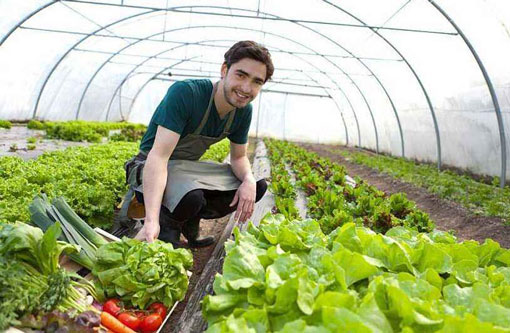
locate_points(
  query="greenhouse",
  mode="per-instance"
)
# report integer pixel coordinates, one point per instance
(254, 166)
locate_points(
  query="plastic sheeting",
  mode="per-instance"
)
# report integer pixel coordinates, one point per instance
(393, 76)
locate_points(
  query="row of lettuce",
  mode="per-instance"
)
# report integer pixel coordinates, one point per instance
(5, 124)
(330, 200)
(349, 273)
(91, 179)
(288, 276)
(479, 197)
(89, 131)
(85, 131)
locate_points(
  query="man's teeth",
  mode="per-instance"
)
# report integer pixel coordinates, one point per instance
(241, 95)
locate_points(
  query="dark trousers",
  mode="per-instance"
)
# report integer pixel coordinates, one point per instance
(205, 204)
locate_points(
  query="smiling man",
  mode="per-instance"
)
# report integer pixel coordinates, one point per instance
(177, 189)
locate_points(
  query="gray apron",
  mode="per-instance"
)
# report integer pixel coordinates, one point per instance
(185, 172)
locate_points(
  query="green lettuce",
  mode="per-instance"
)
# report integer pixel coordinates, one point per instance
(286, 275)
(141, 273)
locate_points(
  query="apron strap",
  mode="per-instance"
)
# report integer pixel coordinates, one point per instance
(229, 122)
(125, 205)
(206, 115)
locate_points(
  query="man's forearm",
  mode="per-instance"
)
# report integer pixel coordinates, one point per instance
(154, 183)
(242, 168)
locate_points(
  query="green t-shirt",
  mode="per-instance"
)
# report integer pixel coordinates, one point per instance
(182, 110)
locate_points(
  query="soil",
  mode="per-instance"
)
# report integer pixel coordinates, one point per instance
(447, 215)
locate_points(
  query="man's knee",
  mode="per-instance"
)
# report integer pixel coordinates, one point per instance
(190, 205)
(261, 189)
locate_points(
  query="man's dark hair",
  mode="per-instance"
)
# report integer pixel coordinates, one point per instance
(252, 50)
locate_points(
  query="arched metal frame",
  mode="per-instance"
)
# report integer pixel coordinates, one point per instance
(494, 97)
(373, 28)
(365, 100)
(331, 62)
(352, 81)
(26, 18)
(69, 51)
(154, 77)
(431, 108)
(154, 56)
(238, 28)
(289, 39)
(166, 68)
(127, 18)
(488, 81)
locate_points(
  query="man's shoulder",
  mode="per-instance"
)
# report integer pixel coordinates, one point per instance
(197, 86)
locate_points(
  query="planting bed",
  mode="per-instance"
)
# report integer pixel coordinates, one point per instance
(447, 214)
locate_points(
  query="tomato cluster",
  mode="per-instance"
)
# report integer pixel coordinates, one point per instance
(144, 321)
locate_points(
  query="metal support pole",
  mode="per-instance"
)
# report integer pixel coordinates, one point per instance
(26, 18)
(68, 51)
(429, 103)
(492, 91)
(258, 116)
(185, 9)
(284, 109)
(343, 120)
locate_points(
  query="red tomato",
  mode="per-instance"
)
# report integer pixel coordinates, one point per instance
(130, 320)
(140, 313)
(158, 308)
(112, 306)
(151, 323)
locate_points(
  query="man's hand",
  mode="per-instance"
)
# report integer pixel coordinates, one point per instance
(245, 199)
(149, 232)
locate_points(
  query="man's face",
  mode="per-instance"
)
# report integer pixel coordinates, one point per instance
(243, 81)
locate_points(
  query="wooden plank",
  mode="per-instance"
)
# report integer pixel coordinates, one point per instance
(261, 169)
(350, 181)
(191, 319)
(169, 314)
(261, 164)
(106, 235)
(301, 200)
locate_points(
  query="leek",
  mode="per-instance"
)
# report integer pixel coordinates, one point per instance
(76, 221)
(75, 230)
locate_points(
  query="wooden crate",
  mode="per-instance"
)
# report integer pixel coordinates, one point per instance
(69, 265)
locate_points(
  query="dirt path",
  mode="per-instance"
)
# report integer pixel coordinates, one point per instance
(13, 142)
(447, 215)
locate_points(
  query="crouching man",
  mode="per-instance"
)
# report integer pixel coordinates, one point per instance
(177, 189)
